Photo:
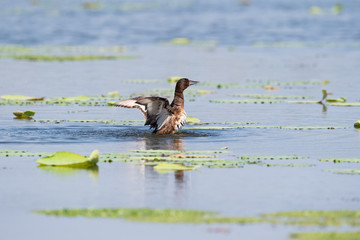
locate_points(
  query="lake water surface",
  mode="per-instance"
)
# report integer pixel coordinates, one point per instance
(275, 43)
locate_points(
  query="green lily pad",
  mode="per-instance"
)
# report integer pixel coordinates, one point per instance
(24, 115)
(81, 98)
(339, 100)
(192, 120)
(113, 94)
(344, 104)
(173, 167)
(70, 159)
(357, 124)
(20, 98)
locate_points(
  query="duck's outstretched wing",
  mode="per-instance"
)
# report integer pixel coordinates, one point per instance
(155, 109)
(131, 103)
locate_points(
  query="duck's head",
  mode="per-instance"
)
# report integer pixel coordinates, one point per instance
(184, 83)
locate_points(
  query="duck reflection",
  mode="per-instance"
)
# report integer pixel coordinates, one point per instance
(150, 175)
(163, 143)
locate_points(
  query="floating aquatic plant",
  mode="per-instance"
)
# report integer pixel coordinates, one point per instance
(326, 236)
(337, 100)
(189, 120)
(24, 115)
(92, 6)
(344, 171)
(219, 84)
(344, 104)
(113, 94)
(21, 153)
(357, 124)
(69, 159)
(304, 218)
(181, 41)
(42, 49)
(287, 164)
(192, 120)
(340, 160)
(264, 82)
(270, 96)
(244, 101)
(163, 167)
(170, 92)
(267, 127)
(190, 158)
(263, 157)
(173, 79)
(150, 215)
(315, 10)
(53, 58)
(337, 8)
(20, 98)
(317, 218)
(260, 160)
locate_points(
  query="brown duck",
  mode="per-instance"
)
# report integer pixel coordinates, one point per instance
(165, 118)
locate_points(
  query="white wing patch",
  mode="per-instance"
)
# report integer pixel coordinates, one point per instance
(181, 122)
(131, 103)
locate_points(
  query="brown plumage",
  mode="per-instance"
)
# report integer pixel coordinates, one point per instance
(164, 117)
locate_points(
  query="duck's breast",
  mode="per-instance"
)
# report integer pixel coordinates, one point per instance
(174, 124)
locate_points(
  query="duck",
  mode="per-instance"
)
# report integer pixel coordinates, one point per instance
(163, 117)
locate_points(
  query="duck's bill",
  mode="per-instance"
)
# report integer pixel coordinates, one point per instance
(193, 82)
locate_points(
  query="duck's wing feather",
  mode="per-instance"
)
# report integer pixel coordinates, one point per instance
(131, 103)
(155, 109)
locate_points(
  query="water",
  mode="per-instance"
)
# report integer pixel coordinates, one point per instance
(247, 191)
(146, 22)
